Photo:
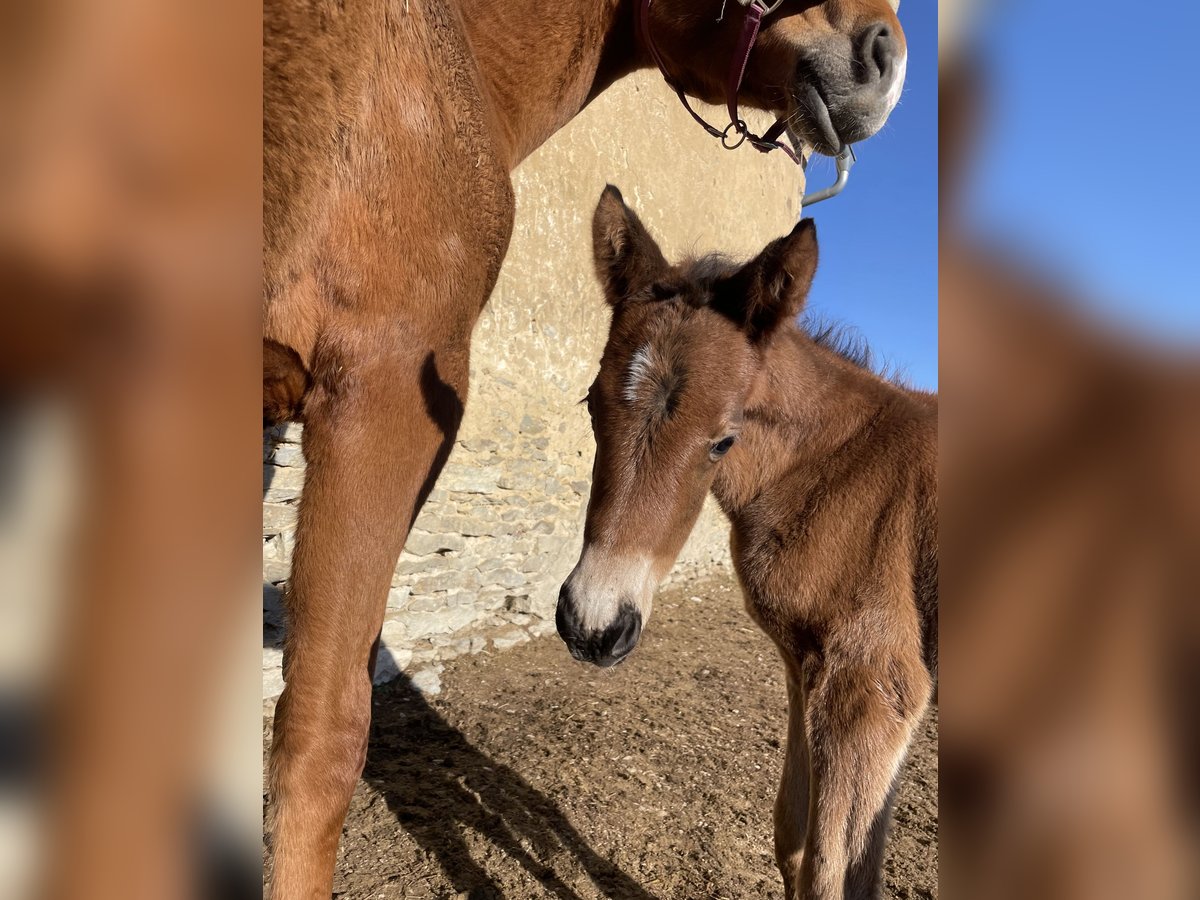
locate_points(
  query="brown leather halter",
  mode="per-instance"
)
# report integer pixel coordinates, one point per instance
(737, 70)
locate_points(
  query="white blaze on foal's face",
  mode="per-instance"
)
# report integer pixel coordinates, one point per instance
(641, 368)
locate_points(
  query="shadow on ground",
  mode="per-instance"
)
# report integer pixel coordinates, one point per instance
(534, 777)
(437, 784)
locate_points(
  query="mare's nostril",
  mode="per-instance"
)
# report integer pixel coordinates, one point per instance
(877, 52)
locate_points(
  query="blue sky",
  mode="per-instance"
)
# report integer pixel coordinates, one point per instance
(1087, 167)
(878, 270)
(1089, 159)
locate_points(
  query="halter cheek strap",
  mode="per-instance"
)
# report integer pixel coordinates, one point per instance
(741, 132)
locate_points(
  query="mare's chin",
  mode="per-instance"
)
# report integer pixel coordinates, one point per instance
(810, 123)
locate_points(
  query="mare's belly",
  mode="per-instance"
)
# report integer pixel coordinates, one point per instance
(384, 192)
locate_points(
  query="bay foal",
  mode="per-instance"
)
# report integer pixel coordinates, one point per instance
(828, 475)
(390, 128)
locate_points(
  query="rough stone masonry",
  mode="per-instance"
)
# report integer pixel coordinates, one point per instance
(503, 527)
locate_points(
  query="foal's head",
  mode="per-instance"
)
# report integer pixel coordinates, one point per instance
(684, 355)
(834, 68)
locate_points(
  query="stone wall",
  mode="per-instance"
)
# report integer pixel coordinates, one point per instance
(503, 527)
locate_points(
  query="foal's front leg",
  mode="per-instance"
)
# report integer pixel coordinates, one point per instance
(379, 422)
(791, 803)
(861, 715)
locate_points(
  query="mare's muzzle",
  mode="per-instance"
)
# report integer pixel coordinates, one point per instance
(604, 647)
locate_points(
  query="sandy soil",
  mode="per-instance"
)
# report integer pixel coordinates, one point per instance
(534, 776)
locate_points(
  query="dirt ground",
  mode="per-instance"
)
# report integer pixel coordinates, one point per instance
(534, 776)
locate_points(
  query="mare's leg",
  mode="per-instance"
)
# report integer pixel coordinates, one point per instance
(861, 713)
(791, 803)
(380, 420)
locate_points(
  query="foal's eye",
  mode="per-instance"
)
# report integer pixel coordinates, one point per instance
(721, 447)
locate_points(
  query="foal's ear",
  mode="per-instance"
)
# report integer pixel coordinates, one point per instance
(771, 288)
(627, 258)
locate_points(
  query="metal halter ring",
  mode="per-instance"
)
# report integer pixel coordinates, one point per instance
(767, 8)
(740, 127)
(771, 7)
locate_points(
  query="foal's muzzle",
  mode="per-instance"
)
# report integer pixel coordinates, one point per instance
(604, 647)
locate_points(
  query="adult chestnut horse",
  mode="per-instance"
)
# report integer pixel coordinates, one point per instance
(390, 129)
(828, 474)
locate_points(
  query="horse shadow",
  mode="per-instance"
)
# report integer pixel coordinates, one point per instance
(438, 785)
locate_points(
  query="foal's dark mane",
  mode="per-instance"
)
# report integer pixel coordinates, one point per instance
(708, 269)
(836, 337)
(842, 339)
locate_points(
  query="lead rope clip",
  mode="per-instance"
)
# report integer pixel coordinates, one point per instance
(845, 162)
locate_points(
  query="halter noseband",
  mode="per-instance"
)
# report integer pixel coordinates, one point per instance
(768, 141)
(765, 143)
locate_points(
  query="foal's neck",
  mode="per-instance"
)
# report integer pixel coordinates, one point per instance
(542, 62)
(809, 406)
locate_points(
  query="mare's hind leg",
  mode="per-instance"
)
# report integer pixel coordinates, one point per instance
(791, 803)
(861, 715)
(380, 420)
